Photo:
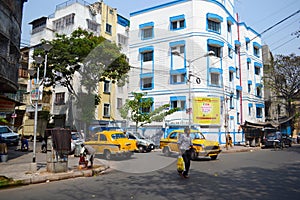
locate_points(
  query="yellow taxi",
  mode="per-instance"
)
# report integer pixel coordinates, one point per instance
(201, 148)
(112, 144)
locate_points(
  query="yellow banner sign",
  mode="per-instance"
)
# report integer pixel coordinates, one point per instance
(206, 110)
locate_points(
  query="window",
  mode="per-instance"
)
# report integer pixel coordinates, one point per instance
(59, 98)
(237, 94)
(238, 118)
(122, 39)
(256, 48)
(230, 76)
(249, 110)
(147, 56)
(216, 50)
(147, 33)
(231, 102)
(230, 52)
(146, 109)
(178, 78)
(258, 112)
(177, 22)
(106, 87)
(214, 26)
(108, 28)
(247, 45)
(229, 28)
(106, 110)
(248, 66)
(177, 25)
(147, 83)
(119, 103)
(64, 21)
(92, 25)
(256, 52)
(180, 49)
(178, 102)
(249, 88)
(215, 78)
(103, 137)
(257, 70)
(237, 72)
(258, 91)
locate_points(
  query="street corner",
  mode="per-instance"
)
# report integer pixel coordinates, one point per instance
(99, 169)
(8, 182)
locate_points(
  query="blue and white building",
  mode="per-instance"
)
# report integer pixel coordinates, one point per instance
(232, 76)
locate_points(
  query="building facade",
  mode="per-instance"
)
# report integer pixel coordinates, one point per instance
(11, 12)
(100, 19)
(168, 49)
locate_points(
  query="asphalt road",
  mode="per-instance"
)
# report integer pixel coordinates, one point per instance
(263, 174)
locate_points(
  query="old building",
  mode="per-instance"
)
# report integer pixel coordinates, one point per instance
(11, 12)
(101, 20)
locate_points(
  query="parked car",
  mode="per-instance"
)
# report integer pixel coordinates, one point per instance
(143, 144)
(8, 136)
(76, 141)
(112, 144)
(287, 140)
(279, 139)
(202, 148)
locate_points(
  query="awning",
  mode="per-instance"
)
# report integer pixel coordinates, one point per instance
(146, 25)
(214, 17)
(215, 42)
(237, 43)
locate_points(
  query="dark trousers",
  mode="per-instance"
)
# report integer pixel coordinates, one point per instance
(187, 161)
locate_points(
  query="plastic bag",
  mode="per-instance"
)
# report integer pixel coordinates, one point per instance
(180, 164)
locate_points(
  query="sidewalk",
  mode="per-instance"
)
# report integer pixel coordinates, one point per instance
(238, 148)
(18, 171)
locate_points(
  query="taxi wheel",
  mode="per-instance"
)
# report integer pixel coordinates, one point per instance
(141, 149)
(193, 154)
(107, 154)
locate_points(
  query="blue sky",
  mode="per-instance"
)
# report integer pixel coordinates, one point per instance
(258, 14)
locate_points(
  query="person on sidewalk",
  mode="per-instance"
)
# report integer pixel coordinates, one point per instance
(184, 145)
(24, 143)
(228, 141)
(89, 152)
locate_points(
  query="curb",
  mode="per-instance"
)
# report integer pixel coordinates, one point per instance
(9, 182)
(245, 149)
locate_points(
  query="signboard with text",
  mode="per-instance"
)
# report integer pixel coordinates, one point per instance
(206, 110)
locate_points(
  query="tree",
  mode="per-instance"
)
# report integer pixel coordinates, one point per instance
(90, 59)
(139, 110)
(284, 80)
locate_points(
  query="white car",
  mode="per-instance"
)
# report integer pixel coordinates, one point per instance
(76, 141)
(143, 144)
(8, 136)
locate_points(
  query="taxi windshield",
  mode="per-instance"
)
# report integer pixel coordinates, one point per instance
(196, 135)
(117, 136)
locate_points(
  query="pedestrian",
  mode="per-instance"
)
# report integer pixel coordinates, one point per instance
(24, 143)
(184, 145)
(89, 152)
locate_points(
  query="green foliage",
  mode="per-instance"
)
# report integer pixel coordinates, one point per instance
(284, 80)
(91, 58)
(137, 109)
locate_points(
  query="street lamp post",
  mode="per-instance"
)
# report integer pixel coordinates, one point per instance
(39, 60)
(189, 61)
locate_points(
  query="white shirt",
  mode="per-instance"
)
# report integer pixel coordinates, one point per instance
(184, 141)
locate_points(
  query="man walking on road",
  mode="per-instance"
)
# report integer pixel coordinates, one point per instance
(184, 144)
